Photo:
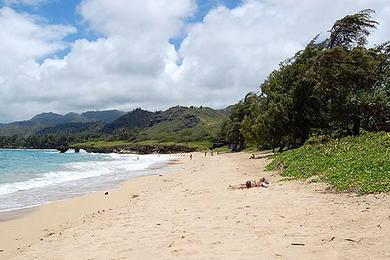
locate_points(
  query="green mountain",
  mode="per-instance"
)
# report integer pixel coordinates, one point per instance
(177, 124)
(51, 120)
(46, 119)
(176, 129)
(71, 128)
(174, 124)
(106, 116)
(137, 118)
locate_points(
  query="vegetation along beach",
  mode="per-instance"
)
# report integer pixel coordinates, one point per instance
(193, 129)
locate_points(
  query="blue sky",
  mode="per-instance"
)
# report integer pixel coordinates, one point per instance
(65, 12)
(56, 12)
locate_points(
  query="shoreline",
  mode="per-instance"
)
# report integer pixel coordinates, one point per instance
(116, 184)
(11, 219)
(189, 213)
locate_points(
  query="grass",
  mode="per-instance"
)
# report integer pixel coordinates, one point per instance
(102, 144)
(197, 145)
(223, 149)
(359, 164)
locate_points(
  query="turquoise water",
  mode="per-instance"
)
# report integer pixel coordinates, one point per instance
(34, 177)
(23, 165)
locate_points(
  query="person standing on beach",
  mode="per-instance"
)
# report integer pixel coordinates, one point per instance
(190, 156)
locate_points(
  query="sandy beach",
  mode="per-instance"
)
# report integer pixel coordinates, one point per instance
(189, 213)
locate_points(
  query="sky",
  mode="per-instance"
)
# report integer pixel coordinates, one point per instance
(79, 55)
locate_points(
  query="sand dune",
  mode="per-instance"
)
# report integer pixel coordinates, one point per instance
(191, 214)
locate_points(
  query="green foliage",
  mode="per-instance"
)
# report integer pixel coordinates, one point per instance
(338, 86)
(199, 145)
(359, 164)
(34, 141)
(51, 123)
(352, 30)
(101, 144)
(223, 149)
(137, 118)
(183, 125)
(70, 128)
(347, 86)
(192, 126)
(231, 131)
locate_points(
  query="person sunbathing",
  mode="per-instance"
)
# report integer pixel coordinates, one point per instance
(263, 183)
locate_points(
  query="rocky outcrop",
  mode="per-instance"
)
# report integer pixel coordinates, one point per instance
(63, 149)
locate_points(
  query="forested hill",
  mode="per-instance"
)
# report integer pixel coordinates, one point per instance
(106, 116)
(177, 124)
(49, 120)
(173, 119)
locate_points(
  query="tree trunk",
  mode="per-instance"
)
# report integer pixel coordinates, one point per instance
(281, 147)
(356, 126)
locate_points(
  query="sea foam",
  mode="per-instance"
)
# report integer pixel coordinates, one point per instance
(75, 178)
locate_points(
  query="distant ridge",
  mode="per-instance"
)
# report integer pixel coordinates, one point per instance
(106, 116)
(177, 124)
(173, 119)
(50, 119)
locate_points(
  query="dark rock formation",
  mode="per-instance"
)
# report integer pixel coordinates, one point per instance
(63, 149)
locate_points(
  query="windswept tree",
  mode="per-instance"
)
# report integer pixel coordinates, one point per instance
(231, 131)
(352, 30)
(344, 79)
(348, 74)
(337, 87)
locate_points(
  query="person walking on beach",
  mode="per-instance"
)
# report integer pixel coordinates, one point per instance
(190, 156)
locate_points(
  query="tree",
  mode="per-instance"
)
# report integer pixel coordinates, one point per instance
(231, 129)
(352, 30)
(337, 86)
(289, 106)
(344, 78)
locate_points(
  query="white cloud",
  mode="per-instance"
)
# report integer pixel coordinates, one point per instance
(133, 64)
(233, 51)
(25, 39)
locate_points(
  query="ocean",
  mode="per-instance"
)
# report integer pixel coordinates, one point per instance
(34, 177)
